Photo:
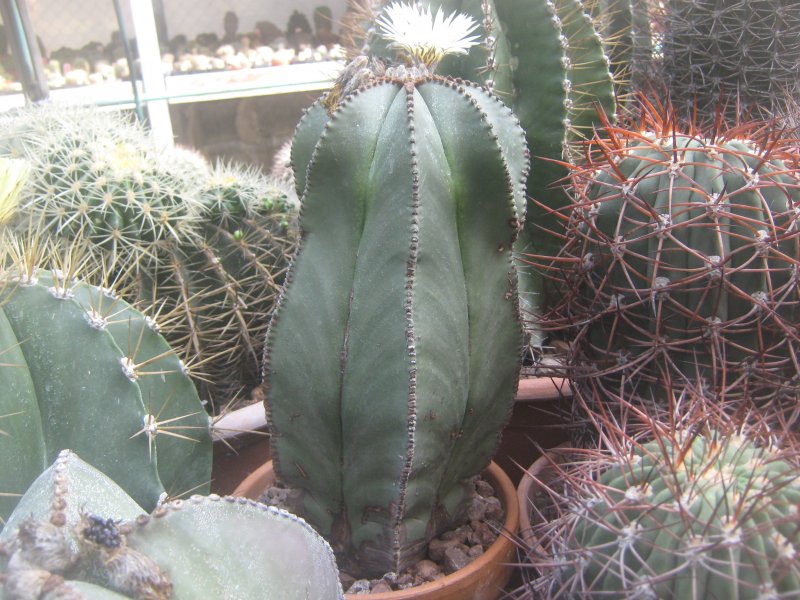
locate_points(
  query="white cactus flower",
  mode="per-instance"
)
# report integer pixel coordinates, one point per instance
(425, 37)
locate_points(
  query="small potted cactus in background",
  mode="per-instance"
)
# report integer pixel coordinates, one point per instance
(393, 356)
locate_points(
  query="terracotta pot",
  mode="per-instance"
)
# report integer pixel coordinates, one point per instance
(542, 470)
(482, 579)
(537, 421)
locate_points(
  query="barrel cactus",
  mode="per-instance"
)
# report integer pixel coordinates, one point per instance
(687, 516)
(206, 247)
(217, 292)
(76, 534)
(745, 53)
(81, 368)
(686, 252)
(97, 176)
(393, 356)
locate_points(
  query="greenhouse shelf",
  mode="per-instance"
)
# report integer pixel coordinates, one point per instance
(200, 87)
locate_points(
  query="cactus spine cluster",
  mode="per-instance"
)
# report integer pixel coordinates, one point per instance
(686, 266)
(76, 534)
(393, 356)
(745, 54)
(206, 246)
(682, 517)
(83, 369)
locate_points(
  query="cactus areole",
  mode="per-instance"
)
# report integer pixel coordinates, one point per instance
(393, 357)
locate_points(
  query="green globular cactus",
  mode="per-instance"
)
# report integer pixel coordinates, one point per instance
(76, 534)
(206, 247)
(686, 254)
(733, 57)
(80, 368)
(684, 517)
(393, 356)
(218, 292)
(96, 176)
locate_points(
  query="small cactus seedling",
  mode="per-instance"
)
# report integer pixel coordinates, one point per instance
(83, 369)
(76, 534)
(683, 517)
(686, 251)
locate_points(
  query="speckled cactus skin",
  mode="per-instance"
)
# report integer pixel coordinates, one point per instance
(686, 258)
(83, 369)
(695, 518)
(77, 535)
(392, 359)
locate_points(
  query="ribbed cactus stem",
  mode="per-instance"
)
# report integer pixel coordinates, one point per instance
(401, 307)
(690, 517)
(686, 259)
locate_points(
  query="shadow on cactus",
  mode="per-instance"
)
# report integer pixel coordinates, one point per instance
(697, 512)
(685, 251)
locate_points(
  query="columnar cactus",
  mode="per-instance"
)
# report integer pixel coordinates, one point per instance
(393, 356)
(76, 534)
(686, 253)
(745, 53)
(82, 369)
(544, 59)
(682, 517)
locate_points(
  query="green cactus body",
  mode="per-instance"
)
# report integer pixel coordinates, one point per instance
(744, 54)
(83, 369)
(706, 518)
(220, 290)
(560, 79)
(400, 307)
(75, 530)
(687, 256)
(207, 248)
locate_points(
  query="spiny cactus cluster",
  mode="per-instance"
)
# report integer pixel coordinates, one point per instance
(745, 53)
(400, 306)
(83, 369)
(217, 292)
(686, 253)
(77, 535)
(207, 247)
(686, 516)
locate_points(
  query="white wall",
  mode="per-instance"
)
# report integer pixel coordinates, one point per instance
(73, 23)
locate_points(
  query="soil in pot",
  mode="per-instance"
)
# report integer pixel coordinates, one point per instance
(484, 575)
